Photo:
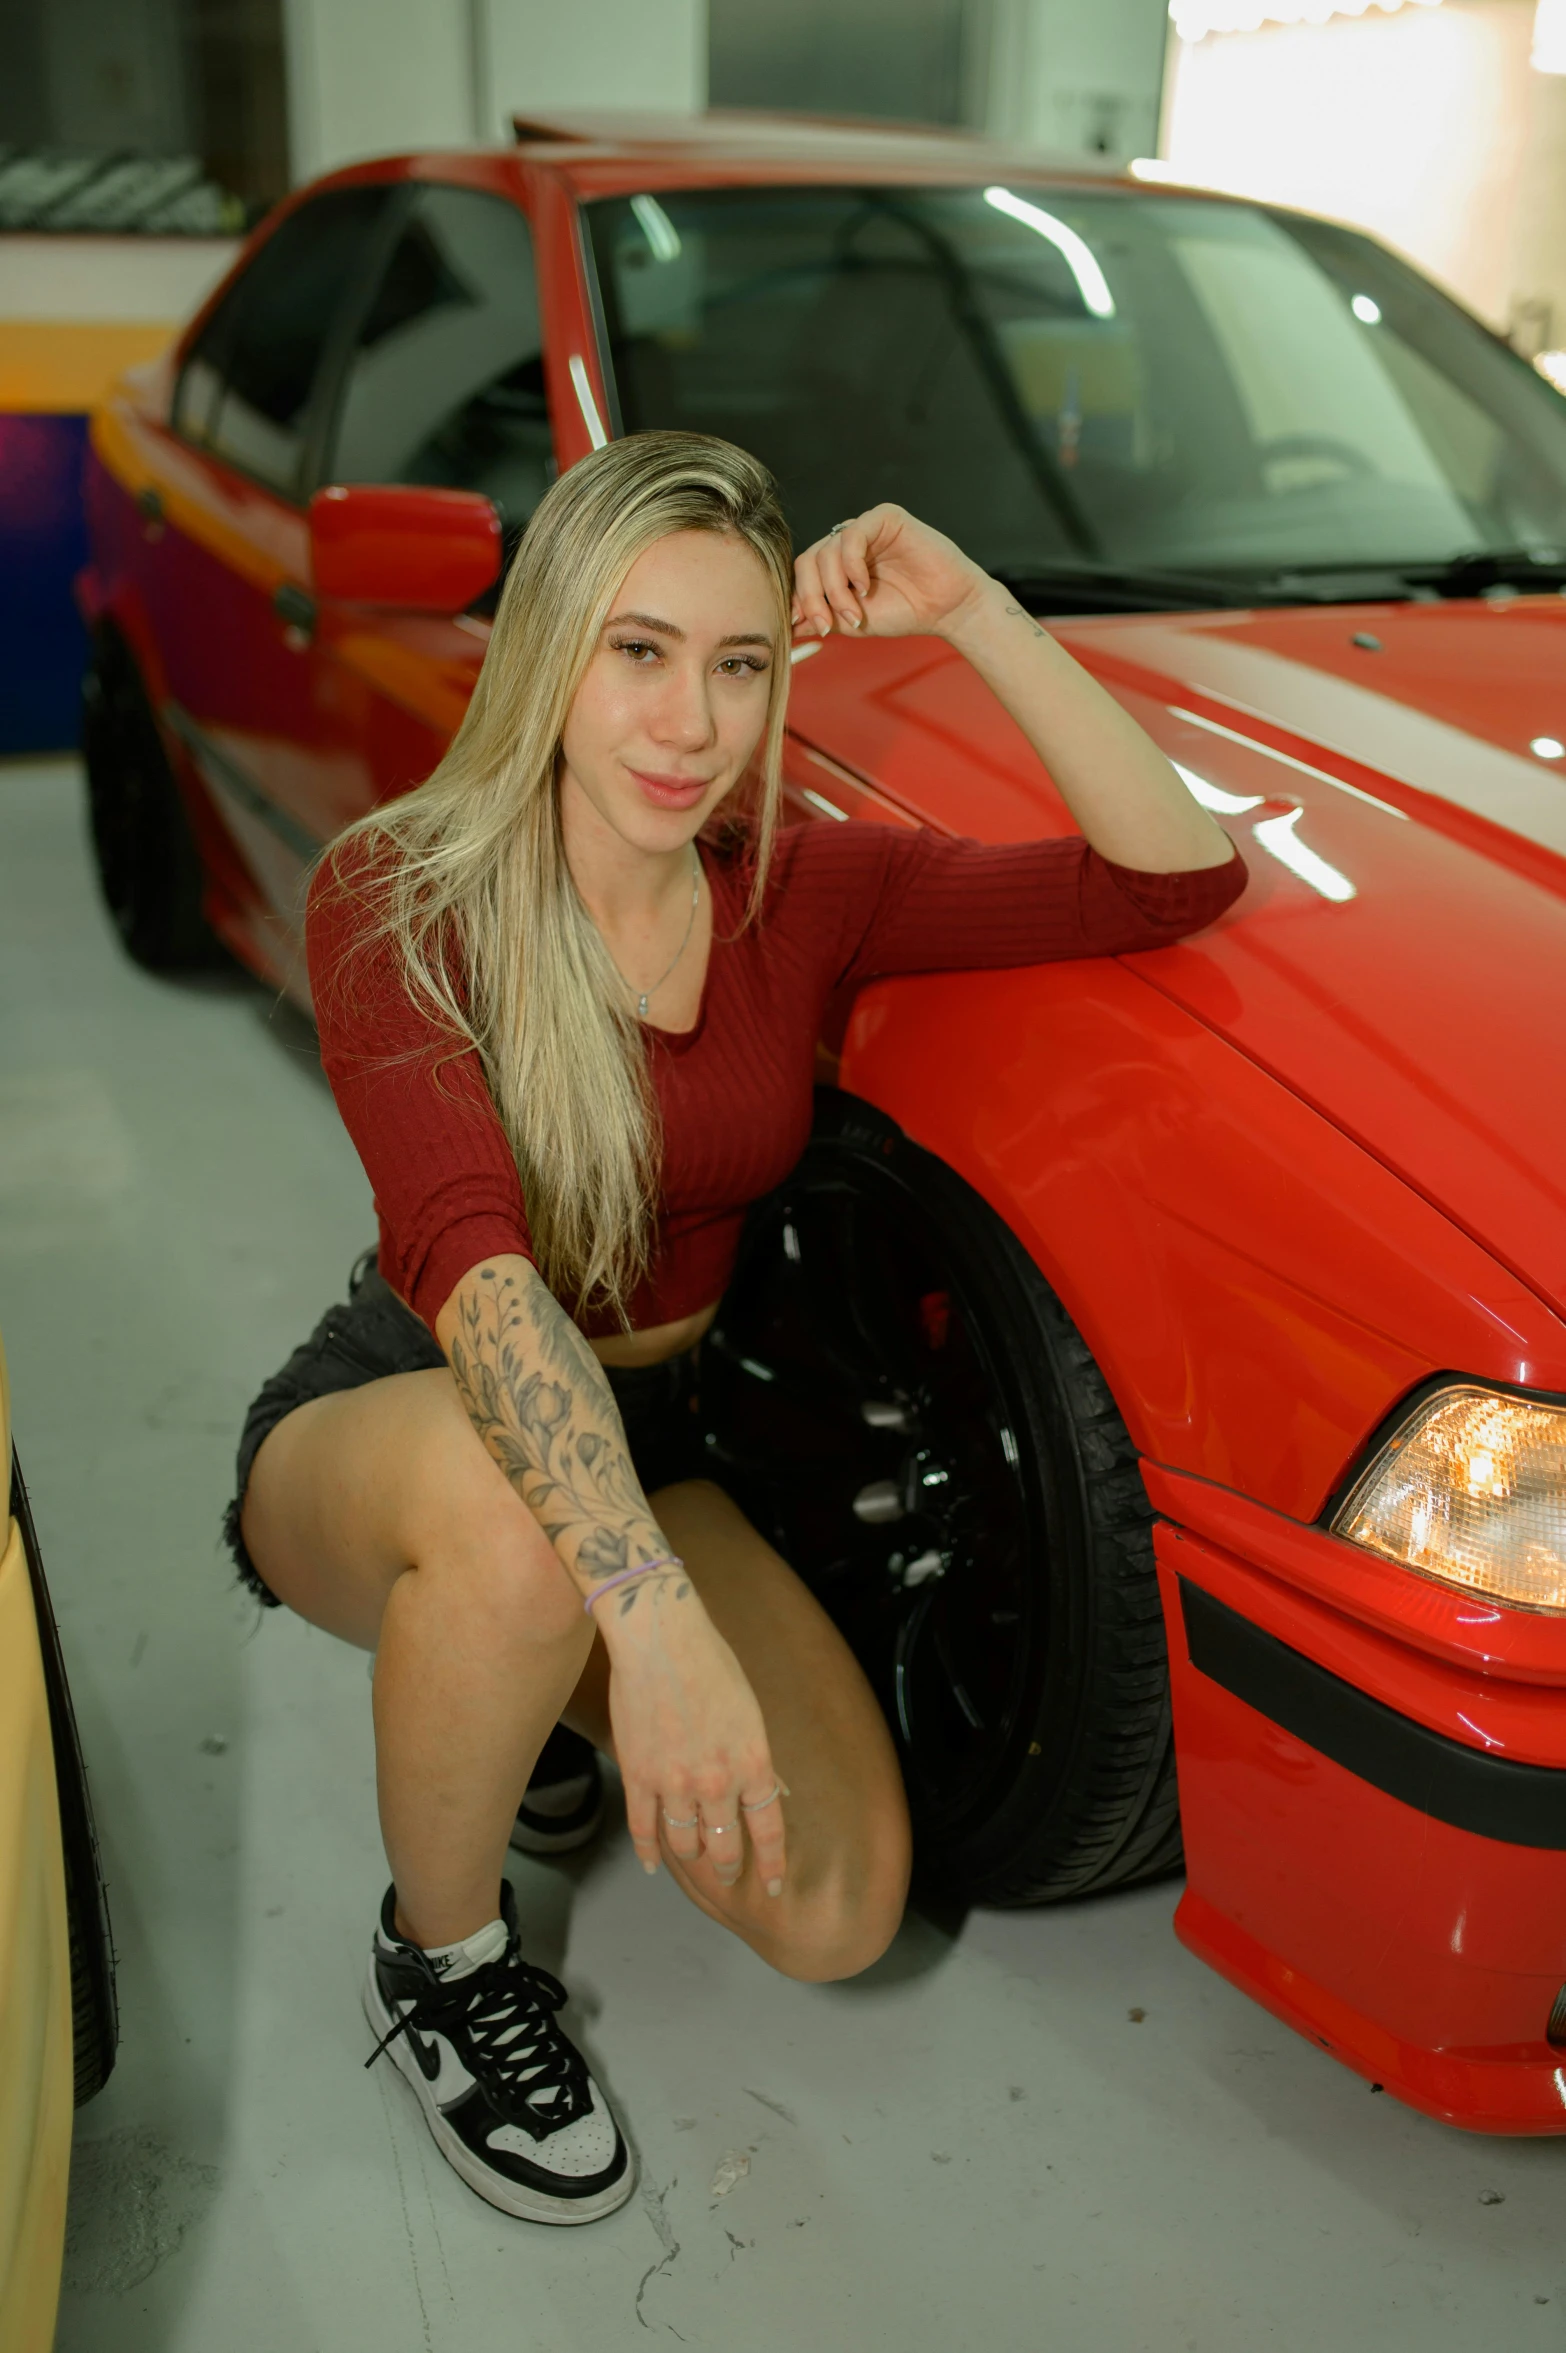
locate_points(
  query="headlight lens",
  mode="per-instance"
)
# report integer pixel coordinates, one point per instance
(1471, 1490)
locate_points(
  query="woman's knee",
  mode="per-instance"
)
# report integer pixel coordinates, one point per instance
(473, 1536)
(843, 1922)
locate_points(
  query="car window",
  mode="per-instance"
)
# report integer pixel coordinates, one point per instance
(445, 384)
(245, 391)
(1058, 375)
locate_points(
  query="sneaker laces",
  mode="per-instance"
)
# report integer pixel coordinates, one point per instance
(531, 2071)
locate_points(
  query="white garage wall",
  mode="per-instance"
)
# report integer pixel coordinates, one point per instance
(1419, 127)
(647, 54)
(1077, 77)
(366, 77)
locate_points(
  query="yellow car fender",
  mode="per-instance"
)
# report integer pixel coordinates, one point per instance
(35, 1966)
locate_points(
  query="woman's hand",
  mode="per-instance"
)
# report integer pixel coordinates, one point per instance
(690, 1742)
(884, 574)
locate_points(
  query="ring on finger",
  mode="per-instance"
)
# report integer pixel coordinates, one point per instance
(674, 1825)
(721, 1829)
(755, 1805)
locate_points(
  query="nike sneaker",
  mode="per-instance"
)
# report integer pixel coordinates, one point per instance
(564, 1804)
(506, 2093)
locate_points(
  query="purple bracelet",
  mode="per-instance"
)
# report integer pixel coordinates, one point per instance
(669, 1560)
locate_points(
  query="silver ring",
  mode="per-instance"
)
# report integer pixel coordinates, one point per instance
(721, 1829)
(837, 527)
(754, 1805)
(690, 1825)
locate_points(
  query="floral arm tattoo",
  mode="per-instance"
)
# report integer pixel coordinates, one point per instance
(541, 1402)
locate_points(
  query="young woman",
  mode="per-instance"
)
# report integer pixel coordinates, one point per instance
(570, 1024)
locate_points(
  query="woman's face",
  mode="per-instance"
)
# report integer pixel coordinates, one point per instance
(674, 701)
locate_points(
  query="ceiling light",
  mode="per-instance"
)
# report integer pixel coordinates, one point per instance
(1277, 837)
(1366, 310)
(1549, 37)
(1552, 366)
(1213, 796)
(1548, 747)
(1195, 19)
(656, 226)
(1092, 285)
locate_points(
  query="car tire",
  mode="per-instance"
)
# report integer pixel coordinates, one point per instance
(904, 1407)
(94, 2006)
(148, 867)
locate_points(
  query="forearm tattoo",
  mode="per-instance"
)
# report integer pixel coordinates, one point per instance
(1016, 613)
(541, 1402)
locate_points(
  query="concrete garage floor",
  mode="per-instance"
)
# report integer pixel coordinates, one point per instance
(1031, 2130)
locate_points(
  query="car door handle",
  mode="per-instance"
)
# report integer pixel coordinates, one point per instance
(150, 504)
(294, 606)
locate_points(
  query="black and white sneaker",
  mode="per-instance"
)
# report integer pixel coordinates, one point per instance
(564, 1803)
(507, 2096)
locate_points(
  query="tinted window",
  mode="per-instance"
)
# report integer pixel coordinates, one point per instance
(247, 385)
(1056, 375)
(446, 385)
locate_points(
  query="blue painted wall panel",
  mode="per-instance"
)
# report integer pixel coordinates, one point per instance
(43, 544)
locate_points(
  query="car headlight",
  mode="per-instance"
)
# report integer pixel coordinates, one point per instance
(1471, 1490)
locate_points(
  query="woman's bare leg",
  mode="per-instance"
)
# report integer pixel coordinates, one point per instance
(376, 1514)
(848, 1837)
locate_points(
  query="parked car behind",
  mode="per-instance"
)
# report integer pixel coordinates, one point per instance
(1175, 1343)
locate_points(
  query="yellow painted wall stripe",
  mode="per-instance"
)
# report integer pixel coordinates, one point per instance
(53, 367)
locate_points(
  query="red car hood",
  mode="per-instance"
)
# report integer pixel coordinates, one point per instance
(1399, 959)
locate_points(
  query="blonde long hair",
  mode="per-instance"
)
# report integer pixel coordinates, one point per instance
(467, 875)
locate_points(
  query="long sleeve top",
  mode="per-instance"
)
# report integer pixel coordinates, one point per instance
(844, 904)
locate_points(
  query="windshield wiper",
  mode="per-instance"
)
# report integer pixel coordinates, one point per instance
(1540, 569)
(1472, 573)
(1123, 588)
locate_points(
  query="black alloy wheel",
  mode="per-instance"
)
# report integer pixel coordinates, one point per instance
(905, 1409)
(149, 870)
(95, 2022)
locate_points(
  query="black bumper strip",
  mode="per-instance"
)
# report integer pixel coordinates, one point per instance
(1494, 1797)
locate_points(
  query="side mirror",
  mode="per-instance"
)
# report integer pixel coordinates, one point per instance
(426, 551)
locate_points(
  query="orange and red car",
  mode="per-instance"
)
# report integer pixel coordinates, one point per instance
(1169, 1351)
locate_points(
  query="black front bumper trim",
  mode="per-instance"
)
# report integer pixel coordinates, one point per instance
(1494, 1797)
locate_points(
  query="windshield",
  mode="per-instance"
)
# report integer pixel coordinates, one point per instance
(1061, 377)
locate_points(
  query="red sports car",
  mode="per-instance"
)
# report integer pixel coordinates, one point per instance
(1173, 1347)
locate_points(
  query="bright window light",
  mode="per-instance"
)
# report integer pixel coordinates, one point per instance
(1549, 37)
(1548, 747)
(1195, 19)
(656, 226)
(1276, 835)
(1153, 167)
(1366, 310)
(1552, 365)
(1092, 285)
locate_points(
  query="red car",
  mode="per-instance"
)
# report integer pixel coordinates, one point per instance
(1172, 1347)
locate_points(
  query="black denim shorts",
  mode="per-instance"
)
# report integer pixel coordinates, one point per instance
(372, 1334)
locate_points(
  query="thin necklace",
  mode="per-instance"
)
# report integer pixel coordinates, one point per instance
(690, 925)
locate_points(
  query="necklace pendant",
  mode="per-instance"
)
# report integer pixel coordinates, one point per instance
(641, 1008)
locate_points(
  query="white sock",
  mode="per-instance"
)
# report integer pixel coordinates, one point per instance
(460, 1960)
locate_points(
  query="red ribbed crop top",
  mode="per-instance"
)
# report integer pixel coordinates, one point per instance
(845, 904)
